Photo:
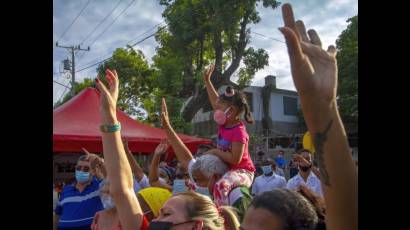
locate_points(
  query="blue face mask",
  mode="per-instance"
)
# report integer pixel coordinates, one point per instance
(178, 186)
(202, 190)
(81, 176)
(267, 169)
(107, 202)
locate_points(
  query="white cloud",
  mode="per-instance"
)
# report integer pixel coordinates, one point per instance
(328, 17)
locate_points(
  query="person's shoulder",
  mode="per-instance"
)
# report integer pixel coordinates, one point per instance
(67, 188)
(282, 178)
(258, 178)
(313, 176)
(293, 180)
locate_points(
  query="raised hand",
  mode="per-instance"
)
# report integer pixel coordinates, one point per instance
(108, 97)
(162, 147)
(208, 73)
(164, 114)
(314, 70)
(302, 161)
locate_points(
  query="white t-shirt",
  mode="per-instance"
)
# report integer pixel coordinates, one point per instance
(280, 172)
(143, 183)
(312, 183)
(268, 183)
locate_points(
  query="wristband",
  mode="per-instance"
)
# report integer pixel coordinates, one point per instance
(110, 128)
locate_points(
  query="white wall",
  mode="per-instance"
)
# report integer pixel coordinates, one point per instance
(276, 108)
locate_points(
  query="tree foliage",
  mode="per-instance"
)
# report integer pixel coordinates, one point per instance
(135, 77)
(347, 58)
(201, 32)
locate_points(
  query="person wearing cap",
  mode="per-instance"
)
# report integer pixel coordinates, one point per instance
(151, 200)
(269, 180)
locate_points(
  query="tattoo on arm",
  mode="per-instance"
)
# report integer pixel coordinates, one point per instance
(319, 141)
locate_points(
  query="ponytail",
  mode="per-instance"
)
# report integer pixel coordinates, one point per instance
(238, 99)
(248, 114)
(230, 218)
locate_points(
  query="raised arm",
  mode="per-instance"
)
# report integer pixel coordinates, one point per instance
(153, 171)
(118, 168)
(135, 167)
(212, 93)
(314, 73)
(181, 151)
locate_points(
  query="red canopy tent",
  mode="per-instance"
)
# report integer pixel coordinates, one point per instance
(76, 125)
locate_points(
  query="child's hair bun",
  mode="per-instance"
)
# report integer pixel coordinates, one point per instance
(229, 92)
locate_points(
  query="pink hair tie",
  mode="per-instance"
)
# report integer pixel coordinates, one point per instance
(230, 94)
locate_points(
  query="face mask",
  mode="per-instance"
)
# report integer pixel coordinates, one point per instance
(202, 190)
(220, 116)
(107, 202)
(267, 169)
(164, 225)
(305, 168)
(178, 186)
(81, 176)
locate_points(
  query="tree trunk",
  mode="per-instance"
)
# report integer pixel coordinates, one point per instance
(218, 79)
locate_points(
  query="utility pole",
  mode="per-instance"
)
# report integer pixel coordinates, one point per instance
(72, 50)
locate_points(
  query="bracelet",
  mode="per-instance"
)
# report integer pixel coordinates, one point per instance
(110, 128)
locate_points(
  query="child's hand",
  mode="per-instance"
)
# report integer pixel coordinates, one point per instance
(208, 73)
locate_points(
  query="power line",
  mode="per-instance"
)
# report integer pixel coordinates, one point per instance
(60, 84)
(87, 67)
(115, 19)
(146, 31)
(75, 19)
(101, 22)
(262, 35)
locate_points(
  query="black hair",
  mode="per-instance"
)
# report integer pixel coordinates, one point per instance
(238, 99)
(303, 150)
(296, 212)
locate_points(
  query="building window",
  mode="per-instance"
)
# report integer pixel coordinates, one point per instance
(290, 106)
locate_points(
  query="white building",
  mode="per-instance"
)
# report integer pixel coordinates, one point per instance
(282, 106)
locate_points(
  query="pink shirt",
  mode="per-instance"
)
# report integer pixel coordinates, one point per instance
(235, 134)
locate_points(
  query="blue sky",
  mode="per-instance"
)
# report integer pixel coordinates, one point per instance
(327, 17)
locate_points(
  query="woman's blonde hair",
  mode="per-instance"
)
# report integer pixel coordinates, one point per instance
(200, 207)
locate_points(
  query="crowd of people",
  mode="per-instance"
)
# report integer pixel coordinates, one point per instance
(220, 187)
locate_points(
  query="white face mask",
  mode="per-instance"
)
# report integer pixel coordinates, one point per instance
(107, 202)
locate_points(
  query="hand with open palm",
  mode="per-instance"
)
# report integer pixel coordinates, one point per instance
(208, 73)
(108, 97)
(162, 147)
(314, 70)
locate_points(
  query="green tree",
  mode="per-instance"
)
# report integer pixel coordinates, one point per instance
(78, 87)
(135, 79)
(200, 32)
(347, 46)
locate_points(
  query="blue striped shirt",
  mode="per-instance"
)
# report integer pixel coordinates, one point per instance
(77, 209)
